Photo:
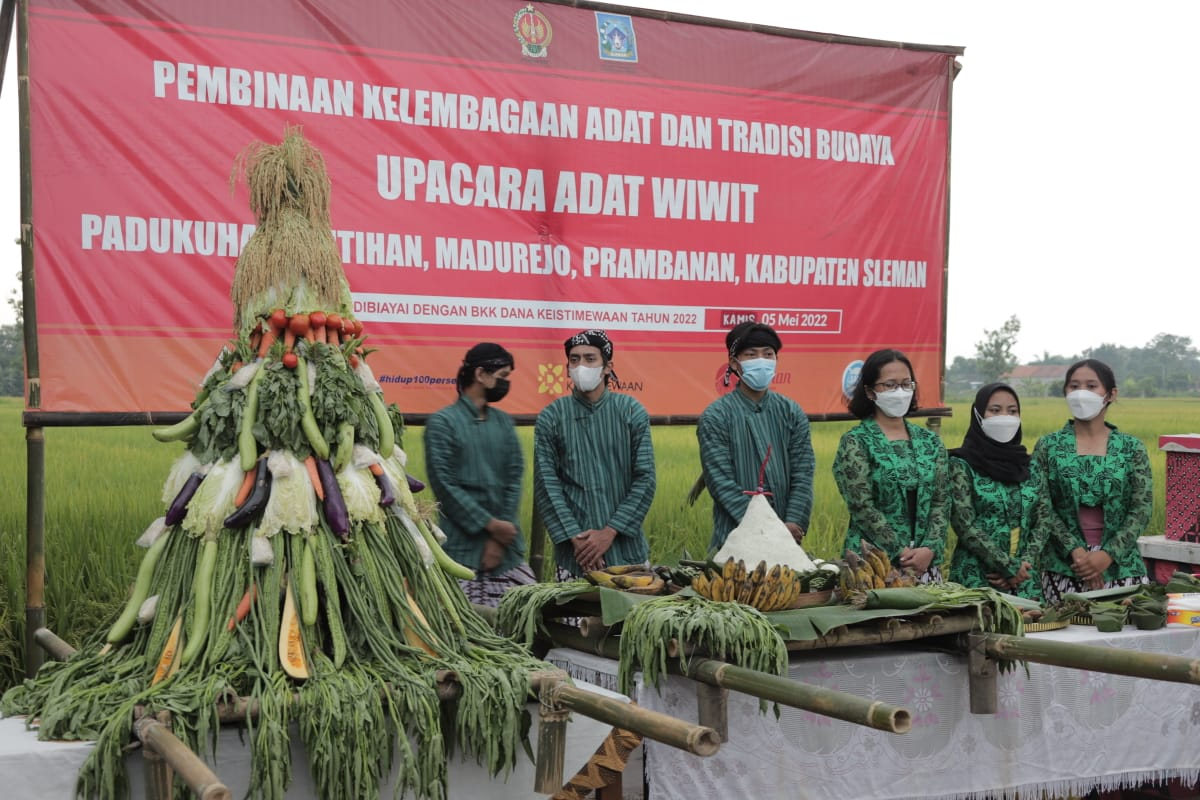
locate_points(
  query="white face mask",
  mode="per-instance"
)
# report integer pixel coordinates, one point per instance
(1085, 404)
(586, 378)
(1000, 428)
(894, 403)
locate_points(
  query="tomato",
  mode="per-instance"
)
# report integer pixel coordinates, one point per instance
(334, 321)
(278, 319)
(290, 360)
(298, 324)
(317, 319)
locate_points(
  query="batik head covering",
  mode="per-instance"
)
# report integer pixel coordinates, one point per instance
(594, 338)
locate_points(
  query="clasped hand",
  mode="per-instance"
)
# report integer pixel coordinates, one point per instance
(1089, 566)
(917, 558)
(591, 545)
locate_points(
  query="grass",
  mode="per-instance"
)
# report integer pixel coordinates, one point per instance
(104, 485)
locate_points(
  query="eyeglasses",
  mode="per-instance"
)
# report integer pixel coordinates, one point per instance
(891, 386)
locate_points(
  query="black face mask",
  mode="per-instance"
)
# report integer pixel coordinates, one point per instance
(497, 392)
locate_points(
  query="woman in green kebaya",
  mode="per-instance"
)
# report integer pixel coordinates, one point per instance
(891, 473)
(1099, 491)
(993, 498)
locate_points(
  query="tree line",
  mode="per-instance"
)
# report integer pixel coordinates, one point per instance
(1166, 365)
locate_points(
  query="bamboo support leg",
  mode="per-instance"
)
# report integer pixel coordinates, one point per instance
(159, 775)
(981, 677)
(194, 772)
(712, 705)
(552, 740)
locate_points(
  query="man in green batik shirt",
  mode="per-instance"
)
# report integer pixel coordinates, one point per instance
(736, 431)
(475, 469)
(593, 465)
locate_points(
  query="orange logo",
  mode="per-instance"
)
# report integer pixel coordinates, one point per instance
(533, 32)
(551, 379)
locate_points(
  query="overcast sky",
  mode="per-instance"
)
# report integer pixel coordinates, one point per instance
(1074, 174)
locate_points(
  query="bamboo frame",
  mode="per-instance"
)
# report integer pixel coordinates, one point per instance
(891, 630)
(817, 699)
(56, 647)
(1116, 661)
(156, 736)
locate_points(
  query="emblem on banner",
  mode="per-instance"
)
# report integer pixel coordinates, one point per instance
(533, 32)
(850, 376)
(617, 40)
(551, 378)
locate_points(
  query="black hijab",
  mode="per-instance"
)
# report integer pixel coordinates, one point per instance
(1007, 462)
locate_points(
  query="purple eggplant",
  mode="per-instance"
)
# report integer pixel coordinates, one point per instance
(387, 493)
(178, 509)
(256, 502)
(414, 484)
(335, 507)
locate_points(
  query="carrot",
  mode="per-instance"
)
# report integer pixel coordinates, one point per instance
(333, 329)
(255, 338)
(268, 338)
(376, 470)
(243, 608)
(244, 490)
(310, 464)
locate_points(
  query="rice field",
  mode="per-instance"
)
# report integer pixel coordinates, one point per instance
(103, 486)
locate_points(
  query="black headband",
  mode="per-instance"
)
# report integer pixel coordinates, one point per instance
(753, 336)
(489, 355)
(593, 338)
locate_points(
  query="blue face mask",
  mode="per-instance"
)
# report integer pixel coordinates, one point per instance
(758, 372)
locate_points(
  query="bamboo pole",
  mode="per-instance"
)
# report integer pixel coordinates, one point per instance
(56, 647)
(593, 627)
(186, 764)
(819, 700)
(35, 442)
(35, 546)
(695, 739)
(1117, 661)
(893, 630)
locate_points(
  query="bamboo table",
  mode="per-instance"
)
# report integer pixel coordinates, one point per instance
(1060, 730)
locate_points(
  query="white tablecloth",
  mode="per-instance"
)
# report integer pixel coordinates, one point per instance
(1060, 730)
(47, 770)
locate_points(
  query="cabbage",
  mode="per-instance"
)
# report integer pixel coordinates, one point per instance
(292, 505)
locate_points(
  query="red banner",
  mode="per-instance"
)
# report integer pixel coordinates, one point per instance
(500, 172)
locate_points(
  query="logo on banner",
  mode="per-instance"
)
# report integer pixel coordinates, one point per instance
(533, 32)
(850, 376)
(552, 378)
(617, 40)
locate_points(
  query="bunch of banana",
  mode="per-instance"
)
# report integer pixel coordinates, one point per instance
(628, 578)
(871, 570)
(765, 588)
